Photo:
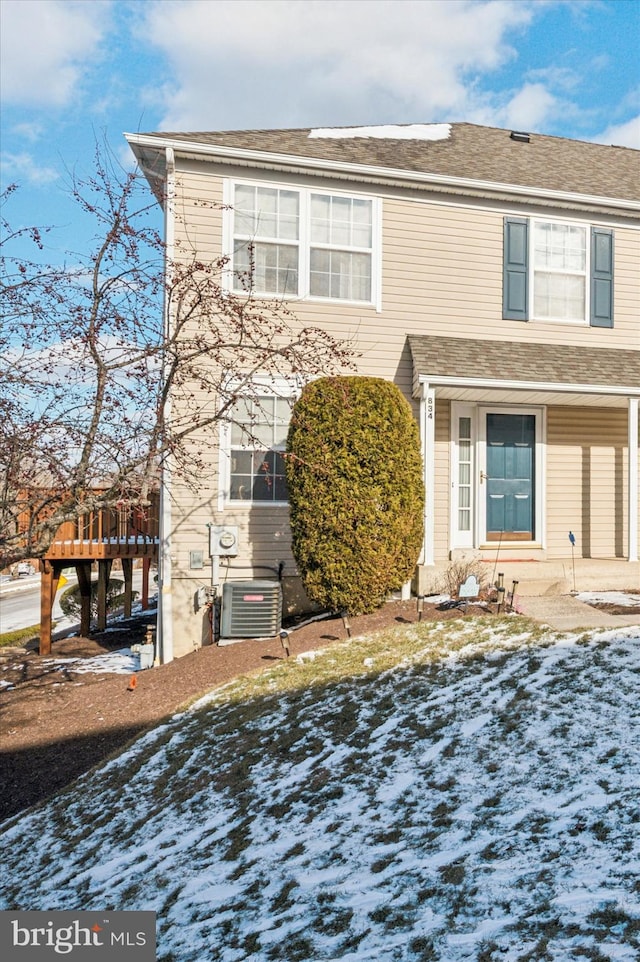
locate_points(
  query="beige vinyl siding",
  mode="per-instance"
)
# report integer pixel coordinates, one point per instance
(441, 273)
(587, 476)
(443, 480)
(198, 209)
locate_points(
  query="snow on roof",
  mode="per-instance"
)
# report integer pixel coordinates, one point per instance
(386, 132)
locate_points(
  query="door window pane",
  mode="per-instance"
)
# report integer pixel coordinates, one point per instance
(464, 474)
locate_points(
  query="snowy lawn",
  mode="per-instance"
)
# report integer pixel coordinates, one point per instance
(450, 791)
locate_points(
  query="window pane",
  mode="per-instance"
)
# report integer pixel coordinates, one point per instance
(262, 435)
(240, 487)
(289, 215)
(340, 221)
(280, 435)
(362, 236)
(263, 408)
(241, 462)
(340, 274)
(245, 210)
(266, 212)
(559, 296)
(263, 488)
(276, 269)
(320, 216)
(280, 492)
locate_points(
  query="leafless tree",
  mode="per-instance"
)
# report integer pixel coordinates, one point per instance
(94, 354)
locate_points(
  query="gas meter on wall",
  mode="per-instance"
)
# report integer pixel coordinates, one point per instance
(223, 540)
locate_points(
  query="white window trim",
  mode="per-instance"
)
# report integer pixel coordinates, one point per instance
(304, 241)
(278, 387)
(580, 322)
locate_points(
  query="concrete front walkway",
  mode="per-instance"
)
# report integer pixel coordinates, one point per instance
(566, 613)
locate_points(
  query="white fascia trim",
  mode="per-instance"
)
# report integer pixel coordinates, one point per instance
(264, 156)
(443, 381)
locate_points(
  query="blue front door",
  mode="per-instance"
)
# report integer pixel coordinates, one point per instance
(510, 477)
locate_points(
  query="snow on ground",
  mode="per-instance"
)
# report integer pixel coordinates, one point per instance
(473, 795)
(625, 598)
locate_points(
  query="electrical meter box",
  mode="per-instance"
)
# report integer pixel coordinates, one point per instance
(223, 540)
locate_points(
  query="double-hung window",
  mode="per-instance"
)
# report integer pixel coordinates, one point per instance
(302, 243)
(341, 238)
(257, 436)
(557, 271)
(266, 242)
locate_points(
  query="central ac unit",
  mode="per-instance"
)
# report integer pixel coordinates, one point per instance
(251, 609)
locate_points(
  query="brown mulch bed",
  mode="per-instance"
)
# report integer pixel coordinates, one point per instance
(56, 724)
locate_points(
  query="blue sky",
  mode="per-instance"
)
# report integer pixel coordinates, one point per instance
(72, 70)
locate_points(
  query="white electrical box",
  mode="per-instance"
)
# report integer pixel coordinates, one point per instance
(223, 540)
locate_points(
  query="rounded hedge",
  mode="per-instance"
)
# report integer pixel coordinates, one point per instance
(356, 491)
(71, 599)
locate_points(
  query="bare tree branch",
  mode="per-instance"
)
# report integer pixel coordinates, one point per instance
(87, 367)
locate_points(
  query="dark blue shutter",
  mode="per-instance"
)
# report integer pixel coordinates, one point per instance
(514, 270)
(601, 277)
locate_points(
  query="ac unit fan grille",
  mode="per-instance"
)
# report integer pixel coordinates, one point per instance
(251, 609)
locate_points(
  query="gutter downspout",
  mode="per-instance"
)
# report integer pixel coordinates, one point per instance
(633, 478)
(165, 605)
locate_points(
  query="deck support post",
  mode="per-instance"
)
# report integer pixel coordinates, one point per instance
(146, 564)
(83, 571)
(127, 574)
(104, 573)
(50, 571)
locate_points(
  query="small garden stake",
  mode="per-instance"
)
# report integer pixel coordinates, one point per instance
(572, 539)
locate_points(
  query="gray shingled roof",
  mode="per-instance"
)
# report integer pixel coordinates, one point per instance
(481, 153)
(522, 361)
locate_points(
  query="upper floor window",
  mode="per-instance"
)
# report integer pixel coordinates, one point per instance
(557, 271)
(302, 243)
(266, 239)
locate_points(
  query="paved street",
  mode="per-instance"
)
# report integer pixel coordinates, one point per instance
(20, 599)
(20, 603)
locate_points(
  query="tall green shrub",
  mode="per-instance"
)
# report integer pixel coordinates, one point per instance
(356, 491)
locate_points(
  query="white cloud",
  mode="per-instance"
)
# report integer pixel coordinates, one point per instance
(530, 108)
(30, 131)
(45, 47)
(290, 63)
(24, 169)
(622, 135)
